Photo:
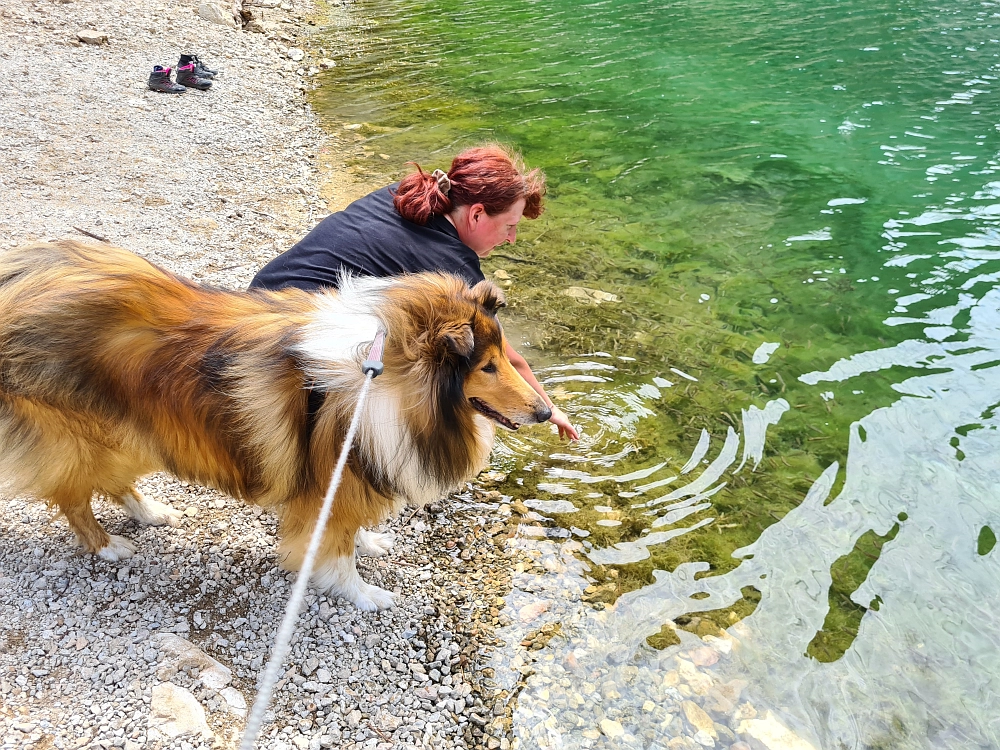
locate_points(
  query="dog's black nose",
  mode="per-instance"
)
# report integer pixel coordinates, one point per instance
(543, 414)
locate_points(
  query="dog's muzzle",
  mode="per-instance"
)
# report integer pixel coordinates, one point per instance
(487, 411)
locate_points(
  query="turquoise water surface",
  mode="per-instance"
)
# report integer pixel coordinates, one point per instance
(789, 413)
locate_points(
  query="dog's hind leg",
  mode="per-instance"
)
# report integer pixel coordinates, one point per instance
(146, 511)
(89, 532)
(372, 543)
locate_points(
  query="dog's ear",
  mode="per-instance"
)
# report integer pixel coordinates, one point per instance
(488, 294)
(457, 339)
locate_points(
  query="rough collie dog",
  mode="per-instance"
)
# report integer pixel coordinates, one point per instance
(112, 368)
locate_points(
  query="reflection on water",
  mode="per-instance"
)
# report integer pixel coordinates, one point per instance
(779, 527)
(924, 670)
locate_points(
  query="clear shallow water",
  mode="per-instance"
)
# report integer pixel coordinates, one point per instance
(818, 177)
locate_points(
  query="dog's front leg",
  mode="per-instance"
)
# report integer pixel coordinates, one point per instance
(336, 569)
(75, 506)
(339, 576)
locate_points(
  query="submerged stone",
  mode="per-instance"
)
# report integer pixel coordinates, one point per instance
(611, 728)
(590, 296)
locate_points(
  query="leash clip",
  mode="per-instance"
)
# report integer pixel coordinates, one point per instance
(373, 364)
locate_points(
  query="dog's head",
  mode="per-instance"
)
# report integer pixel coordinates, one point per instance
(457, 344)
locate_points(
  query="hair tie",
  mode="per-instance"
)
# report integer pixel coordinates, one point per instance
(444, 184)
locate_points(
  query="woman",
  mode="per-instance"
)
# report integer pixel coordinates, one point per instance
(429, 222)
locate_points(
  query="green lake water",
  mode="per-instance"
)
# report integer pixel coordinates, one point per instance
(789, 413)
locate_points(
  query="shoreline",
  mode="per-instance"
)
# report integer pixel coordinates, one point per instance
(164, 650)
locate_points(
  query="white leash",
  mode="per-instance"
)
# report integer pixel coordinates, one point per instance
(282, 642)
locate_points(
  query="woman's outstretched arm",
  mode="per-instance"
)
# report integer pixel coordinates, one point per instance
(558, 418)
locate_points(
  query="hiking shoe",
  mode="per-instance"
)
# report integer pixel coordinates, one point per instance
(186, 76)
(159, 80)
(200, 69)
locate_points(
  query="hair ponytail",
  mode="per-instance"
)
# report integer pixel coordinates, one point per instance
(419, 196)
(492, 175)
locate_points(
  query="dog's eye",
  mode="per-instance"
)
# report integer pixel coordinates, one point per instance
(490, 368)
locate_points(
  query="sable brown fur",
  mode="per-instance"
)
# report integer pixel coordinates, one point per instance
(112, 368)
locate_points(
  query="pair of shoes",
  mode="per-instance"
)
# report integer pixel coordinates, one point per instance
(192, 73)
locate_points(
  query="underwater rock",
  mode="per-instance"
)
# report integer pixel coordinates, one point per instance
(530, 612)
(606, 592)
(773, 734)
(699, 719)
(611, 728)
(590, 296)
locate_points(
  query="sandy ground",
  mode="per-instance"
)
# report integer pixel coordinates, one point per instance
(164, 650)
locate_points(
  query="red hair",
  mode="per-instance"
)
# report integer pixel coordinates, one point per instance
(492, 175)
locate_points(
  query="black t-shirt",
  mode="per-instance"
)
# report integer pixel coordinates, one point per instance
(369, 238)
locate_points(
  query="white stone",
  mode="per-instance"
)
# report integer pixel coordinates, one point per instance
(215, 13)
(590, 296)
(235, 701)
(174, 711)
(697, 717)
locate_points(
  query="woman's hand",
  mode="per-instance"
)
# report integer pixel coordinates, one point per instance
(560, 420)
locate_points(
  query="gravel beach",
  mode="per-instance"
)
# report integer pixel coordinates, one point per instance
(164, 650)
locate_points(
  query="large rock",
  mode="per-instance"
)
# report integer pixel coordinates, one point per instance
(182, 654)
(89, 36)
(175, 712)
(215, 13)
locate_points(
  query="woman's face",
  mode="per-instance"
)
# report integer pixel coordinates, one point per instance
(483, 232)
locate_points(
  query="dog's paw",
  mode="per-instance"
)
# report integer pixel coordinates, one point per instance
(373, 543)
(339, 577)
(150, 512)
(371, 598)
(160, 514)
(117, 548)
